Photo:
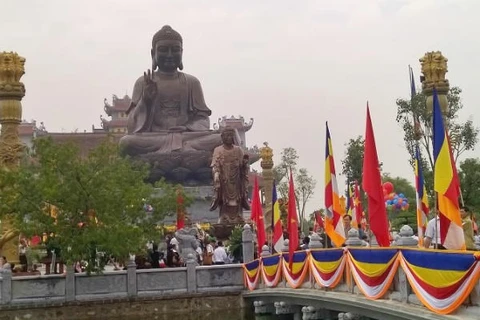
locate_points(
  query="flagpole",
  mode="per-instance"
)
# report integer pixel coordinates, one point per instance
(273, 221)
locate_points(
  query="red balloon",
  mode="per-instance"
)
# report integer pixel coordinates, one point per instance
(388, 186)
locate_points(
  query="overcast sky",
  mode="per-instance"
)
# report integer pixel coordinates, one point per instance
(290, 65)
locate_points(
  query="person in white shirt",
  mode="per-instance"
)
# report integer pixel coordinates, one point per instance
(174, 242)
(432, 234)
(219, 254)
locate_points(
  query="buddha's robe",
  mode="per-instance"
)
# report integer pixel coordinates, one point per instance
(179, 103)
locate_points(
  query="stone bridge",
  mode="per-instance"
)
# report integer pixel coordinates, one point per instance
(363, 283)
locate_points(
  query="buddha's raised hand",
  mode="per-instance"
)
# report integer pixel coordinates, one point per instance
(149, 88)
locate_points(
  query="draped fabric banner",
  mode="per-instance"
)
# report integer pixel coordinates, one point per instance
(296, 276)
(327, 266)
(373, 270)
(271, 270)
(252, 274)
(441, 280)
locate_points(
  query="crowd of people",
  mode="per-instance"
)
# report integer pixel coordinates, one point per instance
(431, 239)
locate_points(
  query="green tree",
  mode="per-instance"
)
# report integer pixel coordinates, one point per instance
(304, 182)
(352, 163)
(86, 204)
(463, 136)
(469, 174)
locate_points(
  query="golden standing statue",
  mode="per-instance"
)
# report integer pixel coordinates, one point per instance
(12, 68)
(434, 69)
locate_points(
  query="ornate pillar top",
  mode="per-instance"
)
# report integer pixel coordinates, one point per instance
(12, 68)
(434, 69)
(266, 153)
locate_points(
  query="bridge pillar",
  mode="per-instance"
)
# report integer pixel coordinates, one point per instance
(247, 244)
(284, 308)
(262, 307)
(348, 316)
(312, 313)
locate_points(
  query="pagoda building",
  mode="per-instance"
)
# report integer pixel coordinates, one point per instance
(117, 111)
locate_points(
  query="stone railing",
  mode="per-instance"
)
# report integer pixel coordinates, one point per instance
(130, 283)
(315, 301)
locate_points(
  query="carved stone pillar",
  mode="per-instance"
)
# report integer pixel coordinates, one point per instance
(11, 93)
(266, 153)
(247, 244)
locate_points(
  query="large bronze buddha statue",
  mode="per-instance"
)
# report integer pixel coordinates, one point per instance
(168, 119)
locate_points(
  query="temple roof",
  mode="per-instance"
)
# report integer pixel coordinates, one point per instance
(234, 122)
(118, 104)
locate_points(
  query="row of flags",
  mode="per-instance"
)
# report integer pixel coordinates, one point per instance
(446, 188)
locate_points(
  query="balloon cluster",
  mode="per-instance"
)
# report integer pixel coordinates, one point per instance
(393, 200)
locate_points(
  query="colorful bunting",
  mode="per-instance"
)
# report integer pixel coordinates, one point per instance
(271, 270)
(296, 270)
(441, 280)
(373, 270)
(252, 274)
(327, 266)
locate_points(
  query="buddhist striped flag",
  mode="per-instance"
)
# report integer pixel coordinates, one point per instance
(277, 221)
(422, 200)
(446, 184)
(333, 217)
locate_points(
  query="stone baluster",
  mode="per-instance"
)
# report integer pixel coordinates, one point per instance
(315, 243)
(6, 275)
(353, 240)
(191, 273)
(405, 238)
(131, 278)
(285, 248)
(247, 244)
(265, 251)
(401, 285)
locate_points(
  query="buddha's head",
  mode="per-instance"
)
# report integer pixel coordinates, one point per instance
(228, 136)
(167, 50)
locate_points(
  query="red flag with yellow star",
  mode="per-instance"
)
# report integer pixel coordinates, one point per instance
(257, 217)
